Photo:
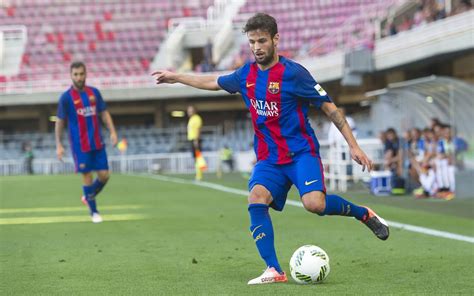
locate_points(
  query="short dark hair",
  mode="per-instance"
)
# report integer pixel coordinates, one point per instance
(391, 130)
(262, 21)
(77, 64)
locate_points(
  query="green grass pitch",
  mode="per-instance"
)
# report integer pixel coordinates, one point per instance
(163, 238)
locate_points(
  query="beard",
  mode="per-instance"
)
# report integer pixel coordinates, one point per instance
(267, 59)
(79, 84)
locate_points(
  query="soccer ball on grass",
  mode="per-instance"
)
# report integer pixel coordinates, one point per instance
(309, 265)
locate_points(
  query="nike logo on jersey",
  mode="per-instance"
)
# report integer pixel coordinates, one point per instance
(250, 84)
(310, 182)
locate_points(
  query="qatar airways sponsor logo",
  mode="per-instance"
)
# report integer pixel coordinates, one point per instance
(264, 108)
(86, 111)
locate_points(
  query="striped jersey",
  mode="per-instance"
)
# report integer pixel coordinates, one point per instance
(278, 100)
(81, 109)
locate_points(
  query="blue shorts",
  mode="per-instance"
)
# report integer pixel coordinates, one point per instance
(305, 172)
(95, 160)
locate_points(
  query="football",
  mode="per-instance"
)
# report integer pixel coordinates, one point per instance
(309, 265)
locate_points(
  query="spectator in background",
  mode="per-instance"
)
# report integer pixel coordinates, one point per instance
(392, 159)
(429, 146)
(405, 25)
(461, 146)
(434, 121)
(416, 145)
(426, 167)
(429, 11)
(429, 185)
(440, 12)
(405, 151)
(227, 157)
(414, 153)
(436, 126)
(29, 157)
(390, 29)
(418, 18)
(463, 6)
(445, 163)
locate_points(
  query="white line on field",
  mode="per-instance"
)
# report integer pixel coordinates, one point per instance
(413, 228)
(67, 219)
(66, 209)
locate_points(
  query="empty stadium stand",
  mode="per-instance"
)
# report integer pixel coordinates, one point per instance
(319, 27)
(114, 38)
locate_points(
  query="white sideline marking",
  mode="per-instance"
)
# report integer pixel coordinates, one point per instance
(413, 228)
(64, 219)
(66, 209)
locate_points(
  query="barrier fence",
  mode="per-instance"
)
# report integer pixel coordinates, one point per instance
(338, 166)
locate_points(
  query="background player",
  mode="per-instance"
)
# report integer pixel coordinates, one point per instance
(194, 136)
(81, 106)
(278, 93)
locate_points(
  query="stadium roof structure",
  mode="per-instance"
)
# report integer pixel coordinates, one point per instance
(414, 103)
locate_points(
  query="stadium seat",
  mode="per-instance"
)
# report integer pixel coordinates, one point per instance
(62, 33)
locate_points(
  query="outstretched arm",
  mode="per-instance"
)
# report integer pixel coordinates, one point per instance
(339, 120)
(207, 82)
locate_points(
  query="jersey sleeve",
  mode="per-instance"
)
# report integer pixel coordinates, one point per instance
(62, 107)
(308, 89)
(101, 106)
(231, 82)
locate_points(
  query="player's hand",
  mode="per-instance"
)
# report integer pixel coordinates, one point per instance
(113, 139)
(163, 76)
(60, 152)
(361, 158)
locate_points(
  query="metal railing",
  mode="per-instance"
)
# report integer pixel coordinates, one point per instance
(338, 166)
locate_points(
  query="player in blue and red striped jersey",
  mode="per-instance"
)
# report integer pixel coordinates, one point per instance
(278, 93)
(82, 107)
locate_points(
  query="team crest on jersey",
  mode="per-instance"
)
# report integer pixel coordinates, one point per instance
(92, 98)
(82, 165)
(274, 87)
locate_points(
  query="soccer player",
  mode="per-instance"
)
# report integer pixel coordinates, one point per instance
(278, 93)
(82, 106)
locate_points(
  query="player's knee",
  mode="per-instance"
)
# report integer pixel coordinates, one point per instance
(314, 202)
(259, 194)
(104, 177)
